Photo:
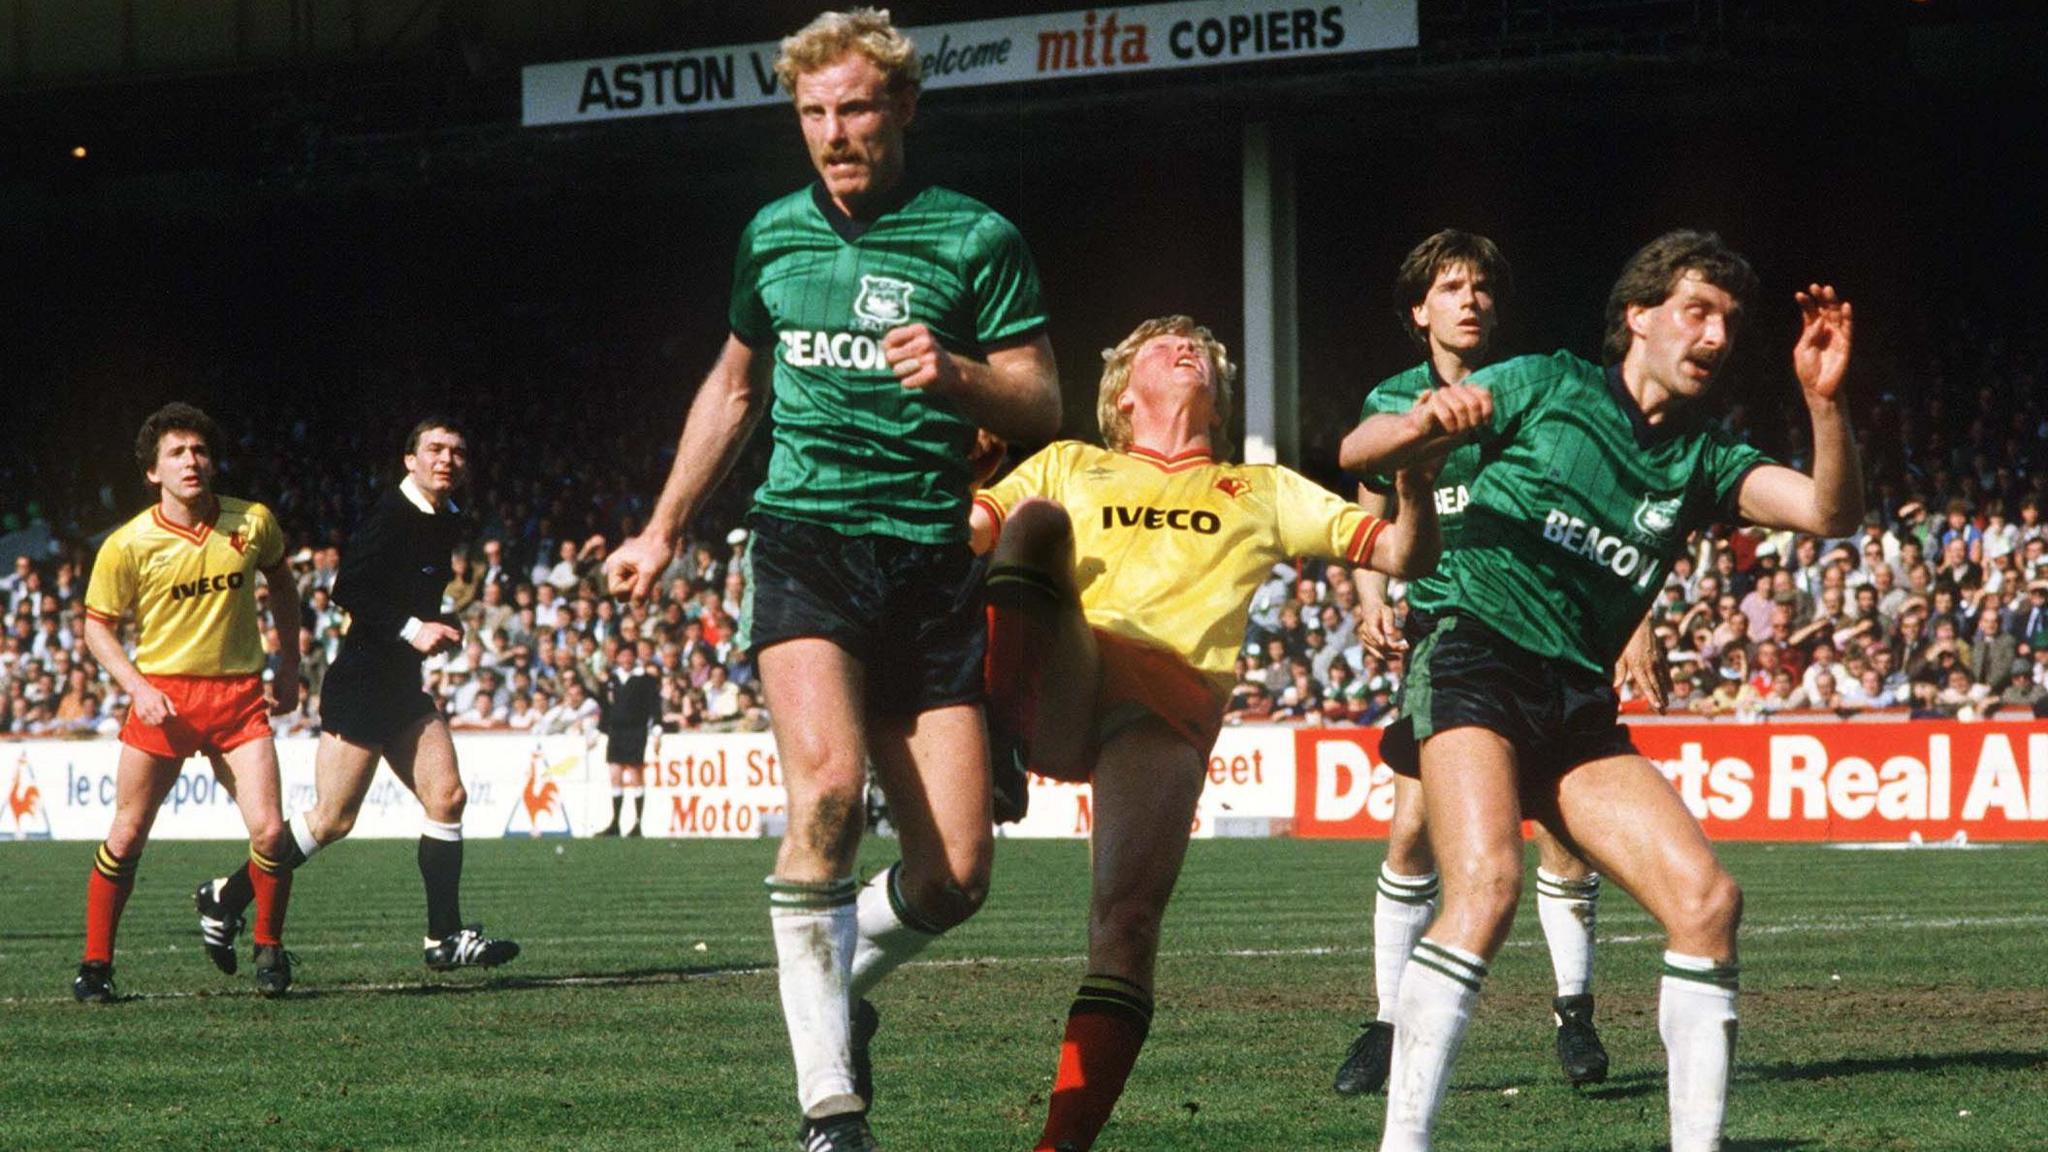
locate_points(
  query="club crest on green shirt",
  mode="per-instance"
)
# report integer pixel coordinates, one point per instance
(1655, 517)
(884, 302)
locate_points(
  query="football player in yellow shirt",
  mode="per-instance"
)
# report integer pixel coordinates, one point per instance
(1119, 586)
(186, 569)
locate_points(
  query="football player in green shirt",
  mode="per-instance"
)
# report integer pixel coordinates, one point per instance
(1450, 288)
(897, 318)
(1591, 481)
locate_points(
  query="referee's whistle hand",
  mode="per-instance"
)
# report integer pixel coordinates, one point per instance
(436, 637)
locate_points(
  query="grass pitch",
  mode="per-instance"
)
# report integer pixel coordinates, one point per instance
(1891, 1000)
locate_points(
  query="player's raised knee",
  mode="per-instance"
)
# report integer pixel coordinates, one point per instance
(331, 824)
(948, 898)
(1038, 532)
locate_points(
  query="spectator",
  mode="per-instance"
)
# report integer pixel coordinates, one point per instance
(1992, 650)
(1867, 691)
(577, 713)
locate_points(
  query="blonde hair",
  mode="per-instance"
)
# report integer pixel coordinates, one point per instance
(1116, 376)
(832, 35)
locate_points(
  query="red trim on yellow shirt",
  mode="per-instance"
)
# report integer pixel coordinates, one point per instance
(102, 617)
(190, 535)
(1192, 458)
(995, 513)
(1363, 539)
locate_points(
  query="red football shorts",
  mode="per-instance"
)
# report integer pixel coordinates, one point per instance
(1139, 680)
(215, 713)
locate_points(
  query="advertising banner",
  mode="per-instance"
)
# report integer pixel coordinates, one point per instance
(1799, 781)
(1012, 50)
(517, 786)
(1890, 781)
(1250, 792)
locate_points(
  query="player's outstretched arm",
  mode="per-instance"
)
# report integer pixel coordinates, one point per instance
(1387, 442)
(1413, 543)
(1830, 502)
(1377, 630)
(727, 406)
(149, 705)
(1015, 395)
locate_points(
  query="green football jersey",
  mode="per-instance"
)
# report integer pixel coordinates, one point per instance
(1396, 394)
(853, 449)
(1579, 507)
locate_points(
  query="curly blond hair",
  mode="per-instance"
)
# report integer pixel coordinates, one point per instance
(832, 35)
(1116, 376)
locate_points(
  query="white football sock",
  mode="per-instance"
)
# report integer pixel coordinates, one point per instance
(1437, 994)
(1696, 1017)
(1567, 909)
(1403, 908)
(890, 932)
(302, 833)
(814, 935)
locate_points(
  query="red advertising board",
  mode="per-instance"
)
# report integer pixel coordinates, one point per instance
(1800, 781)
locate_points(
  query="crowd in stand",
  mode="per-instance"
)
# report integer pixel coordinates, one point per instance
(1937, 607)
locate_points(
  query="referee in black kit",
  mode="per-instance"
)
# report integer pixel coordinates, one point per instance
(392, 577)
(632, 708)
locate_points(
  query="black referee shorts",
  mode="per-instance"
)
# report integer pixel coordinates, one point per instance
(627, 748)
(369, 702)
(1463, 674)
(910, 613)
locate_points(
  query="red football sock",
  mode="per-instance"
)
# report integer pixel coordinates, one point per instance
(106, 893)
(273, 884)
(1105, 1029)
(1020, 603)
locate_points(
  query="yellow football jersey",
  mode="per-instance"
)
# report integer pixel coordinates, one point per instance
(1169, 552)
(193, 592)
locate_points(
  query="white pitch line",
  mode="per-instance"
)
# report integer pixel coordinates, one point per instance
(1790, 928)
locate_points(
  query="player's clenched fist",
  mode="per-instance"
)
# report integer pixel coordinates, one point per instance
(1454, 409)
(633, 570)
(913, 353)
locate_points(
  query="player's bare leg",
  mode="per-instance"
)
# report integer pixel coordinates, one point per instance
(141, 781)
(1404, 902)
(618, 775)
(1146, 783)
(1627, 818)
(1475, 824)
(422, 756)
(1567, 903)
(1042, 663)
(815, 690)
(934, 770)
(259, 796)
(342, 773)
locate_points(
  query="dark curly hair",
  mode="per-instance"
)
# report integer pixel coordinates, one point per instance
(177, 416)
